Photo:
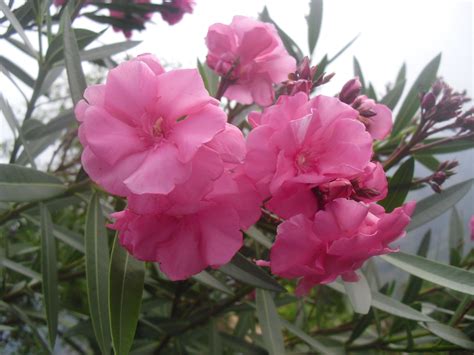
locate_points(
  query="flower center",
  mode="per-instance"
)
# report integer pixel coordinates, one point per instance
(157, 128)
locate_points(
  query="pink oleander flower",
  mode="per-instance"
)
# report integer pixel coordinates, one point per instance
(137, 19)
(251, 57)
(376, 117)
(299, 144)
(336, 242)
(174, 10)
(197, 225)
(142, 129)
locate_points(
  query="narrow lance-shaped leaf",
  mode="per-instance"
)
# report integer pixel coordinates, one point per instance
(19, 268)
(21, 184)
(359, 294)
(314, 20)
(314, 343)
(444, 275)
(412, 102)
(49, 274)
(19, 29)
(127, 276)
(415, 283)
(399, 186)
(343, 49)
(215, 341)
(243, 270)
(392, 97)
(270, 323)
(435, 205)
(358, 72)
(451, 334)
(456, 237)
(207, 279)
(428, 161)
(75, 76)
(389, 305)
(17, 71)
(97, 273)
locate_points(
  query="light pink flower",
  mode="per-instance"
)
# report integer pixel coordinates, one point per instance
(299, 144)
(193, 227)
(336, 242)
(376, 117)
(174, 10)
(251, 56)
(142, 128)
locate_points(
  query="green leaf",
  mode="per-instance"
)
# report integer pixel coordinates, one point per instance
(254, 233)
(441, 274)
(392, 97)
(215, 341)
(49, 273)
(359, 294)
(247, 272)
(18, 27)
(389, 305)
(358, 72)
(314, 20)
(446, 147)
(415, 283)
(428, 161)
(456, 237)
(241, 345)
(20, 184)
(314, 343)
(290, 45)
(209, 77)
(246, 322)
(402, 73)
(68, 237)
(412, 101)
(127, 277)
(399, 186)
(97, 273)
(435, 205)
(269, 322)
(343, 49)
(62, 121)
(207, 279)
(371, 92)
(17, 71)
(362, 324)
(107, 50)
(451, 335)
(55, 51)
(19, 268)
(75, 75)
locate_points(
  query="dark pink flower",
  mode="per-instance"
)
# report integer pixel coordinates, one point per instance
(136, 19)
(142, 128)
(251, 57)
(299, 144)
(174, 10)
(336, 242)
(471, 227)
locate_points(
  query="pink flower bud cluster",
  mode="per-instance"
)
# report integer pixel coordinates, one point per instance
(193, 182)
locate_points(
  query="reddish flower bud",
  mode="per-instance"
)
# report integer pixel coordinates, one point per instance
(428, 101)
(350, 91)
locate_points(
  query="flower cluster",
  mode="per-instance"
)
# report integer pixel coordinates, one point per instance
(133, 14)
(315, 171)
(160, 140)
(193, 182)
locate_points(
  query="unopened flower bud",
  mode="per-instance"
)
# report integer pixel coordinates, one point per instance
(439, 177)
(436, 188)
(428, 101)
(350, 91)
